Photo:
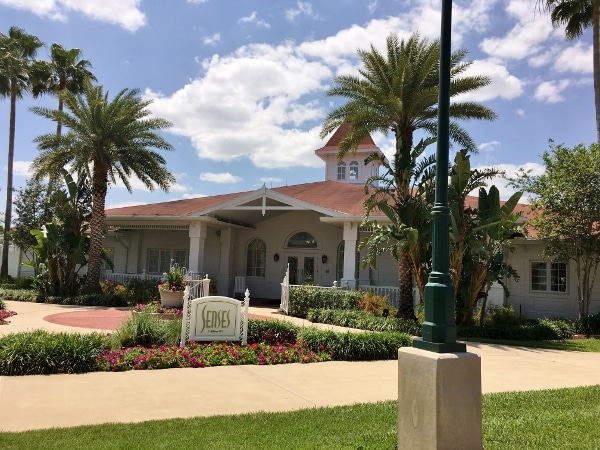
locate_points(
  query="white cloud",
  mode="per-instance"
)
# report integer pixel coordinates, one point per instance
(519, 112)
(253, 18)
(198, 1)
(125, 13)
(22, 168)
(577, 58)
(503, 84)
(270, 181)
(510, 171)
(212, 40)
(304, 9)
(491, 146)
(255, 92)
(550, 91)
(220, 178)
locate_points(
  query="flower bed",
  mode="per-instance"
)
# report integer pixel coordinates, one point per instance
(155, 309)
(5, 314)
(206, 355)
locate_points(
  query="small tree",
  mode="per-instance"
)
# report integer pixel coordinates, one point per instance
(568, 206)
(32, 207)
(62, 244)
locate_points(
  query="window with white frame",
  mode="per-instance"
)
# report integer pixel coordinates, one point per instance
(353, 172)
(256, 258)
(158, 260)
(341, 174)
(180, 257)
(548, 276)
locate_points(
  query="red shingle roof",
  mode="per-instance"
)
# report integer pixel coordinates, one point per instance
(338, 136)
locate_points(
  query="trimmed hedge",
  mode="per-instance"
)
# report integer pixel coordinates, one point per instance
(41, 352)
(22, 295)
(305, 298)
(355, 346)
(364, 320)
(272, 332)
(543, 330)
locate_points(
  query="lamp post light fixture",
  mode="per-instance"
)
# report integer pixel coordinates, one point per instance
(439, 327)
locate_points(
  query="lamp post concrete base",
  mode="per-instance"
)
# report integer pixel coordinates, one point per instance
(439, 400)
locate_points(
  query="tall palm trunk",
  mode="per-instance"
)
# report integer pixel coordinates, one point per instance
(9, 180)
(596, 62)
(406, 307)
(99, 189)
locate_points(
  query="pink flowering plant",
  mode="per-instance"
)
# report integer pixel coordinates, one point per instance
(207, 355)
(156, 308)
(5, 314)
(175, 279)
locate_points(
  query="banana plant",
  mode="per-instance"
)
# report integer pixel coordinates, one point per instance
(477, 234)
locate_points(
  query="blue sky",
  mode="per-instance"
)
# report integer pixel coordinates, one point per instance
(243, 82)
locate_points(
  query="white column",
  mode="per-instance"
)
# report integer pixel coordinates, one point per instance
(197, 234)
(350, 238)
(133, 263)
(225, 266)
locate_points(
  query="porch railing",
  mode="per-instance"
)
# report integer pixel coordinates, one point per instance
(123, 278)
(392, 293)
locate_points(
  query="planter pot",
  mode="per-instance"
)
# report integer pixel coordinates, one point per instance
(171, 299)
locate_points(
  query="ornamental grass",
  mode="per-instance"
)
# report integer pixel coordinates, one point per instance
(206, 355)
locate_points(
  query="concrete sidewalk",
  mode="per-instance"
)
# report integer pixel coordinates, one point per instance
(44, 401)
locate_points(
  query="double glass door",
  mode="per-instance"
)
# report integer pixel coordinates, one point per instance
(302, 269)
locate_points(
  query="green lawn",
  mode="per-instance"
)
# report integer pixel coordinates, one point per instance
(579, 345)
(556, 419)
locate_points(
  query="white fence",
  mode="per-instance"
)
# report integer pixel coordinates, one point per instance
(392, 293)
(284, 306)
(197, 283)
(123, 278)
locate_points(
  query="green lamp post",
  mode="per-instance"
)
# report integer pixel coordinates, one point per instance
(439, 327)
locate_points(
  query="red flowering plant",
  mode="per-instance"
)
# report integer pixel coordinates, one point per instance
(174, 279)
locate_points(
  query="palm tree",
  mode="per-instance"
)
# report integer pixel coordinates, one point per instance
(107, 141)
(577, 16)
(399, 92)
(64, 71)
(17, 51)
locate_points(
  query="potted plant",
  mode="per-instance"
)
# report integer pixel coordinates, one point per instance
(159, 311)
(171, 289)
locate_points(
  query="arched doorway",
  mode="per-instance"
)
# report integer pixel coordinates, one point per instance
(301, 255)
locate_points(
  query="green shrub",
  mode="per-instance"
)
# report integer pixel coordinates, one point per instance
(542, 330)
(364, 321)
(146, 330)
(305, 298)
(271, 332)
(504, 316)
(142, 291)
(374, 304)
(589, 325)
(115, 300)
(27, 295)
(2, 304)
(41, 352)
(355, 346)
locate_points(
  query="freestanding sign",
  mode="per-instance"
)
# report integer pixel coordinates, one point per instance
(215, 318)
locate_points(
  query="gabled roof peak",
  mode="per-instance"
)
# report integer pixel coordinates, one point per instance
(333, 144)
